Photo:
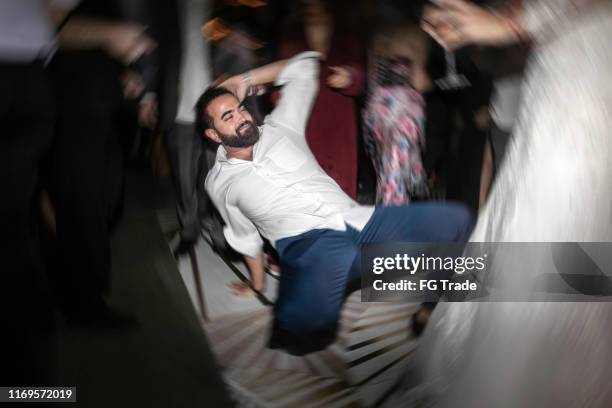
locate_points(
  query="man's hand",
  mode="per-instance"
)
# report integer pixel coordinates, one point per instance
(237, 85)
(340, 78)
(241, 289)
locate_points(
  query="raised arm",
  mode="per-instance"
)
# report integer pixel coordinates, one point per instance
(59, 10)
(298, 77)
(122, 40)
(456, 23)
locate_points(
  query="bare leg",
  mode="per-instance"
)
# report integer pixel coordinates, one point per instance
(486, 175)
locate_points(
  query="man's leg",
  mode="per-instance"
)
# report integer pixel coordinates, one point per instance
(26, 123)
(419, 223)
(315, 268)
(80, 194)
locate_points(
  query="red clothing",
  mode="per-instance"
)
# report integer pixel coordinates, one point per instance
(332, 130)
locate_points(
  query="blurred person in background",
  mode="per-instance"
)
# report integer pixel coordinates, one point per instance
(183, 69)
(456, 124)
(27, 115)
(507, 69)
(506, 65)
(467, 112)
(85, 179)
(555, 186)
(333, 128)
(394, 113)
(188, 71)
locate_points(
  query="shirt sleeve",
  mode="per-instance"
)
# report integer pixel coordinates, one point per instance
(300, 84)
(240, 233)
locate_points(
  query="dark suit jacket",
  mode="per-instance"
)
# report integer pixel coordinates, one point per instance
(161, 69)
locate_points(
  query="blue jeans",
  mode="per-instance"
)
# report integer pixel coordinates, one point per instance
(318, 266)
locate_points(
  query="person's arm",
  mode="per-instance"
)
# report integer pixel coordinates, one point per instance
(256, 269)
(255, 266)
(121, 40)
(245, 84)
(298, 77)
(456, 23)
(349, 76)
(59, 11)
(243, 237)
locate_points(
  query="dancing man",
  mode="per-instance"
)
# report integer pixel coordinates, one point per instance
(266, 182)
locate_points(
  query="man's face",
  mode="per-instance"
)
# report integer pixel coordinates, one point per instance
(233, 124)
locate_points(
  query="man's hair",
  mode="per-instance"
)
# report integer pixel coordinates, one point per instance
(203, 119)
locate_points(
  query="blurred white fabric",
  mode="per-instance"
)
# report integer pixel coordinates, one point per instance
(554, 186)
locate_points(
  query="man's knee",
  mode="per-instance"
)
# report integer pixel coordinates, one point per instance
(301, 333)
(308, 313)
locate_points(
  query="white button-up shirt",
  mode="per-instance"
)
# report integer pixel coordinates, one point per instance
(282, 192)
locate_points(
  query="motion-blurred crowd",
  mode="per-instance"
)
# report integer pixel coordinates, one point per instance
(86, 86)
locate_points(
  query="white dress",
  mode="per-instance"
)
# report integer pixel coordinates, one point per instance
(555, 185)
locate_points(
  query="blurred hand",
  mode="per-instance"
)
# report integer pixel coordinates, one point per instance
(482, 119)
(456, 23)
(340, 78)
(148, 113)
(241, 289)
(127, 42)
(132, 84)
(421, 80)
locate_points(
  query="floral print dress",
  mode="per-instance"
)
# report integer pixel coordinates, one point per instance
(394, 132)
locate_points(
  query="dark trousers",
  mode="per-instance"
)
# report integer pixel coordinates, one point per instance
(85, 176)
(319, 265)
(465, 168)
(26, 122)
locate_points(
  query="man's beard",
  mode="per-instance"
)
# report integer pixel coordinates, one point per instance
(246, 135)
